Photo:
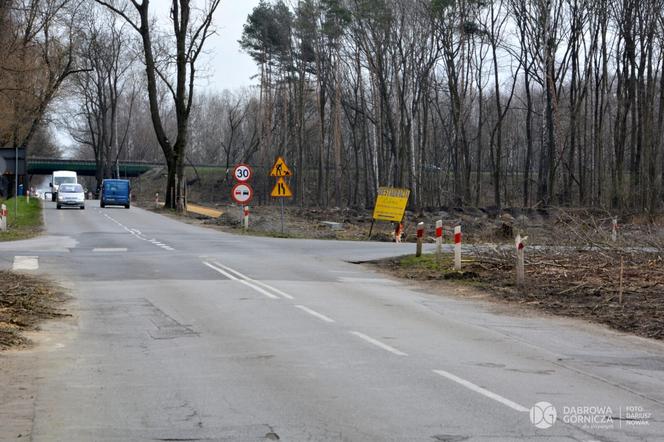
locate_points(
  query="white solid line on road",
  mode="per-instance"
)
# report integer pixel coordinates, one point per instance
(482, 391)
(247, 283)
(274, 289)
(228, 275)
(377, 343)
(26, 263)
(109, 249)
(314, 313)
(253, 281)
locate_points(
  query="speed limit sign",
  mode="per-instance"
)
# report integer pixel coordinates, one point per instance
(242, 173)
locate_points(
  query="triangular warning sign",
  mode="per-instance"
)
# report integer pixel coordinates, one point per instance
(281, 189)
(280, 168)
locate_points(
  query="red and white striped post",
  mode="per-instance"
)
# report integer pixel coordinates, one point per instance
(439, 238)
(457, 248)
(520, 259)
(420, 239)
(245, 217)
(614, 230)
(3, 218)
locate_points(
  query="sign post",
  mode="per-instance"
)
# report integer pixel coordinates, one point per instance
(520, 259)
(390, 205)
(457, 248)
(242, 192)
(3, 218)
(420, 239)
(245, 217)
(439, 238)
(281, 189)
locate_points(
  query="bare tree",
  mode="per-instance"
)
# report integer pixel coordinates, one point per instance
(189, 34)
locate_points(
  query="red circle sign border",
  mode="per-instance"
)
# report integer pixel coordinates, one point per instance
(251, 173)
(251, 193)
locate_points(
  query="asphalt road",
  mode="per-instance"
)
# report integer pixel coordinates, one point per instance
(181, 333)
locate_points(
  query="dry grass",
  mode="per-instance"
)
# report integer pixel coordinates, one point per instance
(24, 302)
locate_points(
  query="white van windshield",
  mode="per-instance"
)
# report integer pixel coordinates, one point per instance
(63, 179)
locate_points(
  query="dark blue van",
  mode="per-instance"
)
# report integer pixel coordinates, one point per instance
(115, 193)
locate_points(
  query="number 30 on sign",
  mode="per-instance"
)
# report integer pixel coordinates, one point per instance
(242, 173)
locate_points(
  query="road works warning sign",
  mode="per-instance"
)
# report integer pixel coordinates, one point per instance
(391, 204)
(280, 168)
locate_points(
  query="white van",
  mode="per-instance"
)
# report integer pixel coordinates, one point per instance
(61, 177)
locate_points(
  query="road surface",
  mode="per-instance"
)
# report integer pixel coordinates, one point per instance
(181, 333)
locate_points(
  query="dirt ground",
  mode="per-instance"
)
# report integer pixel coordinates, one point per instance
(24, 302)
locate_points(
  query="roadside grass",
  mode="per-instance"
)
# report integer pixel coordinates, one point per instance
(27, 224)
(429, 266)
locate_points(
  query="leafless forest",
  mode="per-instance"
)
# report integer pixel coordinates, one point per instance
(483, 103)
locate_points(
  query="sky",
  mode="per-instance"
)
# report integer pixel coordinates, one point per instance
(228, 67)
(225, 65)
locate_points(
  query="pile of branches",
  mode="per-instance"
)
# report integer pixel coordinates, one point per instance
(24, 302)
(585, 228)
(618, 286)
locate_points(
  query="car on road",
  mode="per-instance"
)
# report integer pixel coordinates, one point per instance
(71, 195)
(61, 177)
(115, 193)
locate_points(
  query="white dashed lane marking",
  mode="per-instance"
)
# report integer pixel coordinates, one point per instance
(482, 391)
(138, 234)
(26, 263)
(109, 249)
(378, 344)
(315, 313)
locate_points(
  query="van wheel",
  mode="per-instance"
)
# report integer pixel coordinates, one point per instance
(82, 207)
(58, 207)
(126, 206)
(102, 205)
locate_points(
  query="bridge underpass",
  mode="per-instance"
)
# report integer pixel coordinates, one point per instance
(46, 166)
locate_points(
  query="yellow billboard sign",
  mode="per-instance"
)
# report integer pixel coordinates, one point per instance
(391, 204)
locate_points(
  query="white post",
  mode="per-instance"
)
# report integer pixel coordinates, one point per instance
(439, 237)
(520, 260)
(3, 218)
(457, 248)
(614, 230)
(156, 200)
(420, 238)
(27, 196)
(245, 221)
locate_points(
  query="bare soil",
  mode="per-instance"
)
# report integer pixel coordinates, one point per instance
(25, 301)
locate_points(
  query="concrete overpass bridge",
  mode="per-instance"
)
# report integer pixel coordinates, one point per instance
(46, 166)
